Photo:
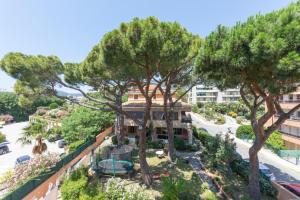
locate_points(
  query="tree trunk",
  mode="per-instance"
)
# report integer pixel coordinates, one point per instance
(119, 128)
(254, 187)
(169, 122)
(146, 176)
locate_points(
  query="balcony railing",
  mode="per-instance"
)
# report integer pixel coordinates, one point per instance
(186, 119)
(290, 101)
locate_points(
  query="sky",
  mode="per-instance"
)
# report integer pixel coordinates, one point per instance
(70, 28)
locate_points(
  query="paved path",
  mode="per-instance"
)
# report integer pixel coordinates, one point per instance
(282, 169)
(196, 164)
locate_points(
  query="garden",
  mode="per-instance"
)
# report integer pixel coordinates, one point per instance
(213, 111)
(227, 168)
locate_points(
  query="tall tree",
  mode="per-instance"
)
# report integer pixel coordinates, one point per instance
(151, 48)
(262, 56)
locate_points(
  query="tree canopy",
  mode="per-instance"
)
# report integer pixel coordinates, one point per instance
(262, 57)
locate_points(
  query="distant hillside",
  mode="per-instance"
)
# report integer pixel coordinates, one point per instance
(65, 94)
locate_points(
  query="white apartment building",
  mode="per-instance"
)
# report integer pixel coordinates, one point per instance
(202, 94)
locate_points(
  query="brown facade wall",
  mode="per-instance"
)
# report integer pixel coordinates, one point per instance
(42, 189)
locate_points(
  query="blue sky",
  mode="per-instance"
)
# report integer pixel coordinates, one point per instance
(69, 29)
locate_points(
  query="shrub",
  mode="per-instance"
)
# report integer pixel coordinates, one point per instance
(179, 144)
(115, 189)
(275, 142)
(209, 195)
(2, 137)
(114, 140)
(72, 187)
(232, 114)
(73, 146)
(155, 145)
(220, 120)
(245, 131)
(53, 105)
(177, 189)
(195, 109)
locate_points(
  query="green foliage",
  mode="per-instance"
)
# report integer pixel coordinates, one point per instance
(10, 104)
(75, 185)
(53, 105)
(220, 120)
(177, 189)
(84, 123)
(74, 145)
(155, 145)
(274, 142)
(2, 137)
(245, 132)
(179, 144)
(114, 140)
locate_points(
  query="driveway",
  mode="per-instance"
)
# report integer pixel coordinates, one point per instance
(13, 132)
(282, 169)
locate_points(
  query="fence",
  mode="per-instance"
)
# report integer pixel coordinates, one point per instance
(290, 154)
(38, 186)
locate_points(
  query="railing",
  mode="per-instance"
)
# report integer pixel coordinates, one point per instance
(186, 119)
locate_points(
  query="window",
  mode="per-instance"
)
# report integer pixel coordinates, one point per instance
(158, 115)
(298, 114)
(136, 96)
(131, 129)
(136, 114)
(291, 97)
(298, 96)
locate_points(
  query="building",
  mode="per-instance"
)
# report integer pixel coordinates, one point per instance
(290, 129)
(203, 94)
(181, 120)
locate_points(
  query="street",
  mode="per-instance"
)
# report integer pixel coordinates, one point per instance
(282, 169)
(13, 132)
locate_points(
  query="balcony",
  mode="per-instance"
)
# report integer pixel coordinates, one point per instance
(186, 119)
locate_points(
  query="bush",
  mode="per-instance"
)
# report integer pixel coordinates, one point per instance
(155, 145)
(73, 146)
(177, 189)
(232, 114)
(2, 137)
(220, 120)
(179, 144)
(195, 109)
(245, 131)
(72, 187)
(114, 140)
(53, 105)
(275, 142)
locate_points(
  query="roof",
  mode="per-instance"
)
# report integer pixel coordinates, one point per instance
(6, 118)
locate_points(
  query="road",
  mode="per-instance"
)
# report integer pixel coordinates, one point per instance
(282, 169)
(13, 132)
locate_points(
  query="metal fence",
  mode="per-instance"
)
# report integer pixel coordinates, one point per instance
(290, 155)
(32, 183)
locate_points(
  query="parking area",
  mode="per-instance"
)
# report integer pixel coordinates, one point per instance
(16, 149)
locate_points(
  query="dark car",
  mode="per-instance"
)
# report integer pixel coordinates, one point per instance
(22, 159)
(61, 143)
(4, 148)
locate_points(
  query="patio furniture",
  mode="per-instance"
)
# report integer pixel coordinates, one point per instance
(160, 154)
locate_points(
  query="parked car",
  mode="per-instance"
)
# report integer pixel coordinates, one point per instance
(62, 143)
(22, 159)
(293, 187)
(265, 170)
(4, 148)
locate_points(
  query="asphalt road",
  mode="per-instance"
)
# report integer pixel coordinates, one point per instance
(282, 169)
(13, 132)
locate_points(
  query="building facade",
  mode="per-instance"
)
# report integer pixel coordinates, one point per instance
(203, 94)
(290, 129)
(182, 122)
